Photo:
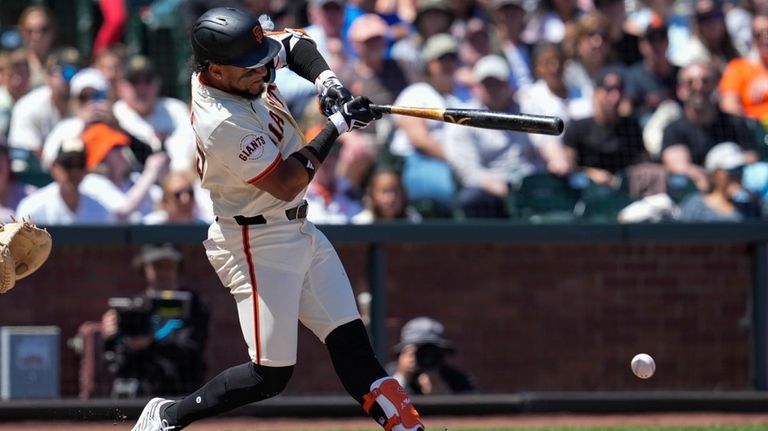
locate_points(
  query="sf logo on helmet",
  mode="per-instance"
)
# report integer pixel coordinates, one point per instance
(258, 33)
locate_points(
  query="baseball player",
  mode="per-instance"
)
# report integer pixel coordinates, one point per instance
(279, 268)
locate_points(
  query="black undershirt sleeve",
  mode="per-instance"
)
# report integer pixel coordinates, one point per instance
(323, 142)
(305, 60)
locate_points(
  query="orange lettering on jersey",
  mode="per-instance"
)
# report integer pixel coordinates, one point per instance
(277, 127)
(251, 148)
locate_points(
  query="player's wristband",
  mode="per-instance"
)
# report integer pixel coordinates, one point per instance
(323, 142)
(306, 163)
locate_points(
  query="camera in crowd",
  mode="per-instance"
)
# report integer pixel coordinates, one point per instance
(140, 315)
(429, 356)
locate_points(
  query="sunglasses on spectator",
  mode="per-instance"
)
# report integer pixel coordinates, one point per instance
(86, 96)
(190, 193)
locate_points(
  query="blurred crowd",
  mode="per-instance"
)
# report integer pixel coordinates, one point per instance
(665, 106)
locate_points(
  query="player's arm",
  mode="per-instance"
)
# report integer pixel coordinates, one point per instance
(292, 175)
(301, 56)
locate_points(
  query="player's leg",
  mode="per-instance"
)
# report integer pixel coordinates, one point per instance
(267, 296)
(328, 308)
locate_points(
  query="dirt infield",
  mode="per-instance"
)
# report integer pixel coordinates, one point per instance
(440, 423)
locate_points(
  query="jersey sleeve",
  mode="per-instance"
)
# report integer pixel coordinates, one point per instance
(733, 77)
(244, 150)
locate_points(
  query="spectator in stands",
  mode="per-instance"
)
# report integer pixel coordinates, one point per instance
(726, 200)
(508, 17)
(710, 40)
(475, 37)
(744, 84)
(330, 196)
(61, 202)
(88, 104)
(550, 95)
(162, 123)
(36, 113)
(385, 199)
(129, 195)
(623, 43)
(432, 17)
(688, 139)
(588, 52)
(488, 162)
(37, 24)
(371, 73)
(14, 83)
(608, 141)
(427, 177)
(326, 19)
(653, 80)
(738, 20)
(422, 366)
(550, 20)
(109, 62)
(155, 342)
(178, 203)
(12, 191)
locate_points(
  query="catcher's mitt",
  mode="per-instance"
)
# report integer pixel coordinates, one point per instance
(24, 247)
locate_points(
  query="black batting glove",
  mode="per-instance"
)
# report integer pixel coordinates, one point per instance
(355, 114)
(332, 96)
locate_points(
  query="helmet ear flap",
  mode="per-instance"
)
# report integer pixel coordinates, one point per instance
(271, 72)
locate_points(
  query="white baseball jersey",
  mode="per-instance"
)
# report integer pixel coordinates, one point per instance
(280, 271)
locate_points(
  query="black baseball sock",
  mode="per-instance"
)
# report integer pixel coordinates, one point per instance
(355, 363)
(234, 387)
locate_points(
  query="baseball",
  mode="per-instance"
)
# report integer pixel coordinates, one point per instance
(643, 365)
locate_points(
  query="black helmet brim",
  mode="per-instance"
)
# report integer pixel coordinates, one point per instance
(259, 56)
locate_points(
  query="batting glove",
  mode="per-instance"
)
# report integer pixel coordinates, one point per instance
(355, 114)
(332, 95)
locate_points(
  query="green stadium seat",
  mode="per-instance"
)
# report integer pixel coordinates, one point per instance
(544, 198)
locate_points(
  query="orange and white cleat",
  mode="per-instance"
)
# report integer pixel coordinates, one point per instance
(394, 401)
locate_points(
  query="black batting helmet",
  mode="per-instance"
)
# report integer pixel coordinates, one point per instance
(230, 36)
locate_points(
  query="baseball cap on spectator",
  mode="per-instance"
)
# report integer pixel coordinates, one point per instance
(99, 139)
(439, 45)
(65, 60)
(423, 6)
(726, 156)
(88, 78)
(139, 68)
(423, 330)
(72, 154)
(491, 66)
(367, 27)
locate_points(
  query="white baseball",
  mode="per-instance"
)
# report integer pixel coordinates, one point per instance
(643, 365)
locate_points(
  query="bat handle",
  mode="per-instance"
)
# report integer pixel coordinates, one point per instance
(381, 109)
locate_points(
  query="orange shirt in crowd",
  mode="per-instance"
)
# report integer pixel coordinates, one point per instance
(748, 79)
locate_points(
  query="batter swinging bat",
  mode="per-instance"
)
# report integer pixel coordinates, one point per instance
(541, 124)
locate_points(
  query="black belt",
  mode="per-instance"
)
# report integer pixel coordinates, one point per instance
(291, 214)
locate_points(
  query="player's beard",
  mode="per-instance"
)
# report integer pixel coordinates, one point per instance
(249, 95)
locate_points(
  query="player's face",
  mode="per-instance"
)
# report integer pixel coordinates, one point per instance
(248, 83)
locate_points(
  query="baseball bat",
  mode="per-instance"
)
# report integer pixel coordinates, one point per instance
(541, 124)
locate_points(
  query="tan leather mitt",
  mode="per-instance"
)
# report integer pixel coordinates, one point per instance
(24, 247)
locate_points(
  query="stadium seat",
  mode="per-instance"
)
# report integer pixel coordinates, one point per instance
(679, 186)
(544, 198)
(601, 203)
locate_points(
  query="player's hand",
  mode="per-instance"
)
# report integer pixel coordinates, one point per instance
(355, 114)
(332, 96)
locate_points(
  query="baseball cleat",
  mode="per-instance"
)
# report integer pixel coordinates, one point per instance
(394, 401)
(151, 418)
